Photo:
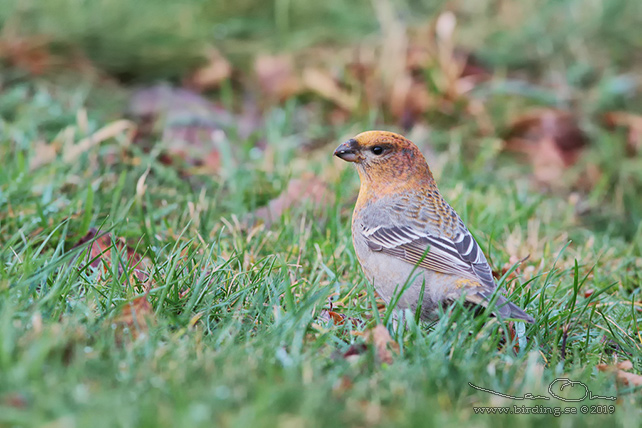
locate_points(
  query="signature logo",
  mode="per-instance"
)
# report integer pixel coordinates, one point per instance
(554, 389)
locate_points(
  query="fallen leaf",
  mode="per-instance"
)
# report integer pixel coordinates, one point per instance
(355, 349)
(16, 400)
(399, 93)
(621, 373)
(633, 123)
(625, 365)
(552, 140)
(99, 253)
(630, 379)
(308, 188)
(590, 175)
(383, 344)
(393, 74)
(339, 319)
(512, 261)
(336, 318)
(472, 66)
(512, 333)
(211, 75)
(134, 318)
(362, 69)
(342, 385)
(276, 76)
(561, 127)
(371, 411)
(189, 126)
(111, 130)
(30, 53)
(319, 81)
(418, 100)
(449, 65)
(43, 154)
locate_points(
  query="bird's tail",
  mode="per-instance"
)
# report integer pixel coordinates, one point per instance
(507, 309)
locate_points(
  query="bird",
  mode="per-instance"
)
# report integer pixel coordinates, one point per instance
(407, 237)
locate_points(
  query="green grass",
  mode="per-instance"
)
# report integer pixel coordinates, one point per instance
(258, 353)
(236, 334)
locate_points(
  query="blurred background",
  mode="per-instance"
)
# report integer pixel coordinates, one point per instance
(553, 84)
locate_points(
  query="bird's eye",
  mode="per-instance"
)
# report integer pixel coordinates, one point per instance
(377, 150)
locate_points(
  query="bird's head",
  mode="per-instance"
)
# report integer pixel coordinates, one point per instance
(385, 160)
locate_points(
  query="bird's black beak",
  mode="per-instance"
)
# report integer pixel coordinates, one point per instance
(348, 151)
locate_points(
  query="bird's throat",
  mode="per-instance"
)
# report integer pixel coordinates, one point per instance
(377, 186)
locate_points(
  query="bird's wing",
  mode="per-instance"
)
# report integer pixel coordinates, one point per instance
(459, 256)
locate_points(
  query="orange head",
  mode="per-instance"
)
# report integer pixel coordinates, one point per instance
(387, 162)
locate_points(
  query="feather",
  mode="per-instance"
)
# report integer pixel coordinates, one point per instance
(460, 256)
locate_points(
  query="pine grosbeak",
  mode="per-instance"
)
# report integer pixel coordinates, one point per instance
(405, 233)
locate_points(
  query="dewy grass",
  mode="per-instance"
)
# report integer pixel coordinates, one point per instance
(238, 338)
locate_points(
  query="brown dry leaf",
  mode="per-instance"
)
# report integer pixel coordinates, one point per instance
(391, 62)
(623, 376)
(625, 365)
(321, 82)
(419, 99)
(135, 317)
(552, 139)
(307, 188)
(16, 400)
(111, 130)
(211, 75)
(342, 385)
(630, 379)
(328, 315)
(189, 125)
(163, 100)
(399, 93)
(449, 64)
(29, 53)
(46, 153)
(43, 154)
(336, 317)
(392, 72)
(276, 76)
(512, 333)
(634, 124)
(472, 66)
(388, 72)
(338, 117)
(362, 69)
(497, 274)
(455, 70)
(527, 132)
(590, 176)
(100, 255)
(355, 349)
(383, 343)
(548, 165)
